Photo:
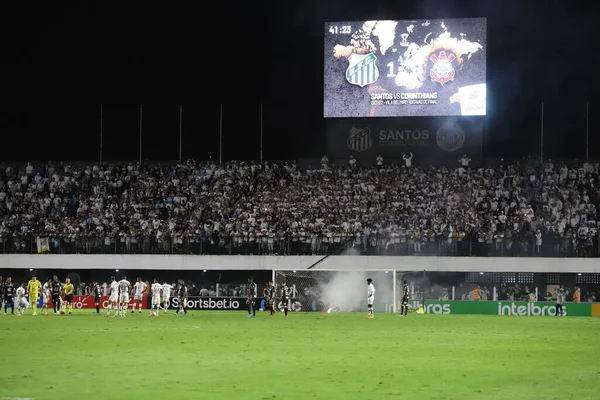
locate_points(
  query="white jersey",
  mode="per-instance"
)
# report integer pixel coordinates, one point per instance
(124, 286)
(139, 288)
(114, 289)
(46, 290)
(156, 288)
(20, 292)
(166, 291)
(370, 290)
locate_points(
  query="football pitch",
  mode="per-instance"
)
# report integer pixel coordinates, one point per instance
(224, 355)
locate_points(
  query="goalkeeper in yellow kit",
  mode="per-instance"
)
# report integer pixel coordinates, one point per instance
(33, 288)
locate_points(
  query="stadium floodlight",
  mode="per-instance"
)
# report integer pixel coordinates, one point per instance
(204, 271)
(481, 273)
(116, 270)
(31, 269)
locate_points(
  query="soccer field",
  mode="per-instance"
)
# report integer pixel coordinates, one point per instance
(224, 355)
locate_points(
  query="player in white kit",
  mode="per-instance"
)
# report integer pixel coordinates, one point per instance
(124, 288)
(166, 294)
(370, 297)
(22, 303)
(156, 290)
(113, 299)
(138, 295)
(46, 293)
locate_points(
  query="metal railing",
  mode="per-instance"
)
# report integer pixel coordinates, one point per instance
(468, 246)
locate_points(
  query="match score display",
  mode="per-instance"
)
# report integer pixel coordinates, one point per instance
(405, 68)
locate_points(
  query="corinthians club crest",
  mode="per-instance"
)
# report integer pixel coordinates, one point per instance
(362, 70)
(360, 139)
(450, 137)
(443, 71)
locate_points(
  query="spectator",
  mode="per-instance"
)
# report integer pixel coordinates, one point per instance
(249, 208)
(408, 159)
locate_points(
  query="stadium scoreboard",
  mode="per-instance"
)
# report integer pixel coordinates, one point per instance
(405, 68)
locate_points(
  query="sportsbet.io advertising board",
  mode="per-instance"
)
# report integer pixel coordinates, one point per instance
(507, 308)
(212, 303)
(432, 141)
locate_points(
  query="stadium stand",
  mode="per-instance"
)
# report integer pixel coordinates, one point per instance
(516, 209)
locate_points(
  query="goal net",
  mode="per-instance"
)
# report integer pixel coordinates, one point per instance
(337, 291)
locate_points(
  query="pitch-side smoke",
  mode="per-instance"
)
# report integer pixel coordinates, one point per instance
(347, 291)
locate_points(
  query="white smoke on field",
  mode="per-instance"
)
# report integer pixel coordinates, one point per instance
(347, 291)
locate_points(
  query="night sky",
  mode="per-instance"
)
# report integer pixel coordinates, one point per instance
(60, 62)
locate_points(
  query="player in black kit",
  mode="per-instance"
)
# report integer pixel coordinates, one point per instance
(404, 303)
(183, 295)
(285, 297)
(9, 294)
(56, 292)
(1, 293)
(97, 293)
(266, 297)
(271, 298)
(251, 294)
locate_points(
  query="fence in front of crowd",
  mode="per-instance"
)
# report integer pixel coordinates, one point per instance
(467, 246)
(441, 293)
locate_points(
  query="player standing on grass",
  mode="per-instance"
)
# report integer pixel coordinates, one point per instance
(251, 293)
(285, 297)
(560, 299)
(46, 291)
(183, 294)
(138, 296)
(124, 288)
(266, 297)
(97, 293)
(166, 294)
(9, 293)
(33, 288)
(69, 290)
(1, 293)
(113, 298)
(22, 303)
(56, 293)
(404, 301)
(156, 290)
(271, 298)
(370, 298)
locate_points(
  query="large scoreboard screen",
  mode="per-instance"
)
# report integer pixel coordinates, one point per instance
(405, 68)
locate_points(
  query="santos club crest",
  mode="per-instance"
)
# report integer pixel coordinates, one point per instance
(362, 70)
(360, 139)
(442, 71)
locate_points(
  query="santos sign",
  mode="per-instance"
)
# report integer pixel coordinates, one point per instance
(431, 140)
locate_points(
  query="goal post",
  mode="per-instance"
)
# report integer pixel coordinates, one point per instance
(334, 291)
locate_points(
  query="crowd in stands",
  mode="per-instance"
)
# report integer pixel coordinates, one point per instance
(512, 209)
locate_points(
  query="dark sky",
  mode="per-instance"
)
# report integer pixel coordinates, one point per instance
(60, 62)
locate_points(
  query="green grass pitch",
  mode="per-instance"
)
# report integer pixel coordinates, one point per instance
(223, 355)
